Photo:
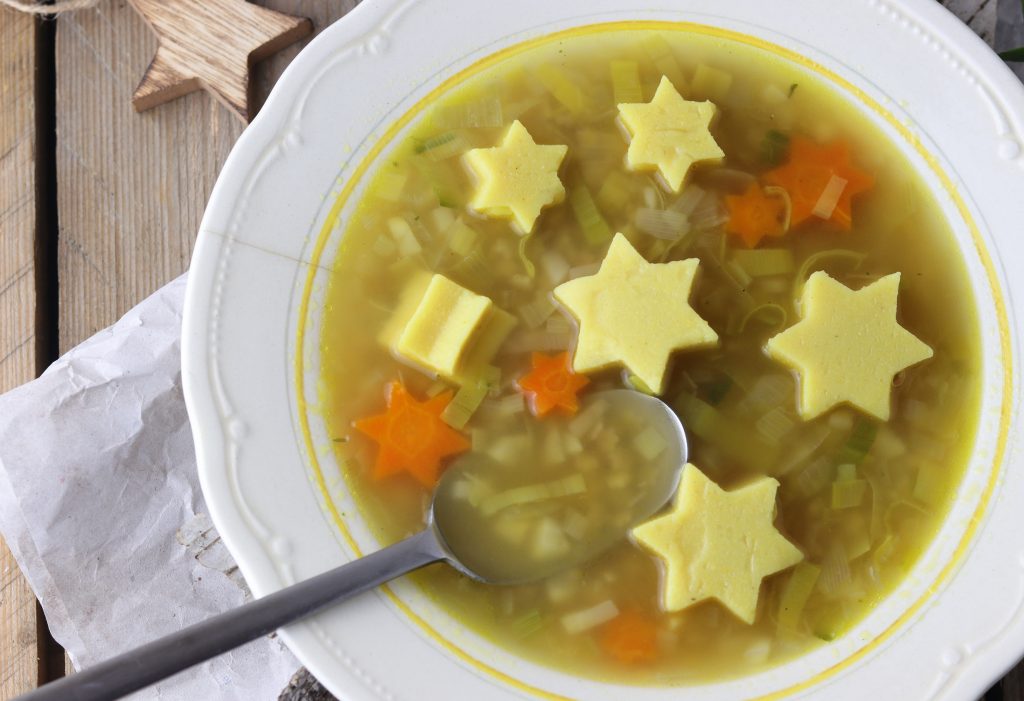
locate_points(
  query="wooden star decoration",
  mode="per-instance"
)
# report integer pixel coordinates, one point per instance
(212, 45)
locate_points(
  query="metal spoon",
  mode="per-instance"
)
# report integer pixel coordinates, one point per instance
(138, 668)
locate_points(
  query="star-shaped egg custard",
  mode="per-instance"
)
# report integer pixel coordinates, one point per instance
(847, 346)
(669, 134)
(634, 313)
(516, 179)
(717, 544)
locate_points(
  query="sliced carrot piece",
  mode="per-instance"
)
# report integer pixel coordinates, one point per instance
(552, 385)
(631, 638)
(813, 168)
(754, 215)
(411, 436)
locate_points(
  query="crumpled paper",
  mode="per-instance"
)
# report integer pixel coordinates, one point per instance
(101, 506)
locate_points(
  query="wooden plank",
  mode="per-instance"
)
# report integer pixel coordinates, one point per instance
(19, 661)
(132, 188)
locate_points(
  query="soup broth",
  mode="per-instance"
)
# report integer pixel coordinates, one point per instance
(860, 497)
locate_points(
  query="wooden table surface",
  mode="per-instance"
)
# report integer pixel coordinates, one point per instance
(99, 207)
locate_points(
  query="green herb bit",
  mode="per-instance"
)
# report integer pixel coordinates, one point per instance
(792, 89)
(774, 147)
(588, 216)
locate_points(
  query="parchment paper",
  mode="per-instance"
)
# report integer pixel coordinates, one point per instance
(100, 504)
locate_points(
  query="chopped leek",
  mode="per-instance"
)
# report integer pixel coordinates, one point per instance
(661, 223)
(562, 88)
(555, 489)
(835, 569)
(759, 262)
(639, 385)
(775, 425)
(464, 404)
(482, 112)
(847, 494)
(774, 147)
(626, 82)
(401, 232)
(582, 621)
(461, 238)
(443, 146)
(711, 83)
(537, 312)
(588, 216)
(660, 53)
(587, 419)
(859, 443)
(787, 204)
(472, 272)
(795, 593)
(829, 197)
(549, 541)
(554, 266)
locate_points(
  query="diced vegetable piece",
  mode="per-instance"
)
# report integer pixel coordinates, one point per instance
(626, 82)
(553, 451)
(630, 638)
(549, 541)
(660, 53)
(576, 525)
(664, 224)
(513, 529)
(554, 266)
(509, 450)
(592, 223)
(443, 146)
(485, 111)
(775, 425)
(587, 419)
(537, 312)
(710, 83)
(859, 443)
(384, 246)
(465, 403)
(772, 314)
(555, 489)
(795, 594)
(847, 494)
(829, 197)
(760, 262)
(406, 241)
(461, 238)
(649, 443)
(562, 88)
(581, 621)
(563, 587)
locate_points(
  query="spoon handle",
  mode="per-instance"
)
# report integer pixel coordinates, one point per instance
(165, 656)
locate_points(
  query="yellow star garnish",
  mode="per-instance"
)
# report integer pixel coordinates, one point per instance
(669, 134)
(717, 544)
(847, 346)
(634, 313)
(516, 179)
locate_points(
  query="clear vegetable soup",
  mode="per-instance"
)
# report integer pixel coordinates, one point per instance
(686, 217)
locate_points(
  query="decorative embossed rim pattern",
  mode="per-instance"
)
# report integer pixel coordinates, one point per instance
(272, 220)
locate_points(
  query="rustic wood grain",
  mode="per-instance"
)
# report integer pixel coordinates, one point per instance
(211, 44)
(19, 664)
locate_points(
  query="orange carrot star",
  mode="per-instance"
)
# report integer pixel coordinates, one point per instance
(754, 215)
(552, 384)
(631, 638)
(819, 176)
(411, 435)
